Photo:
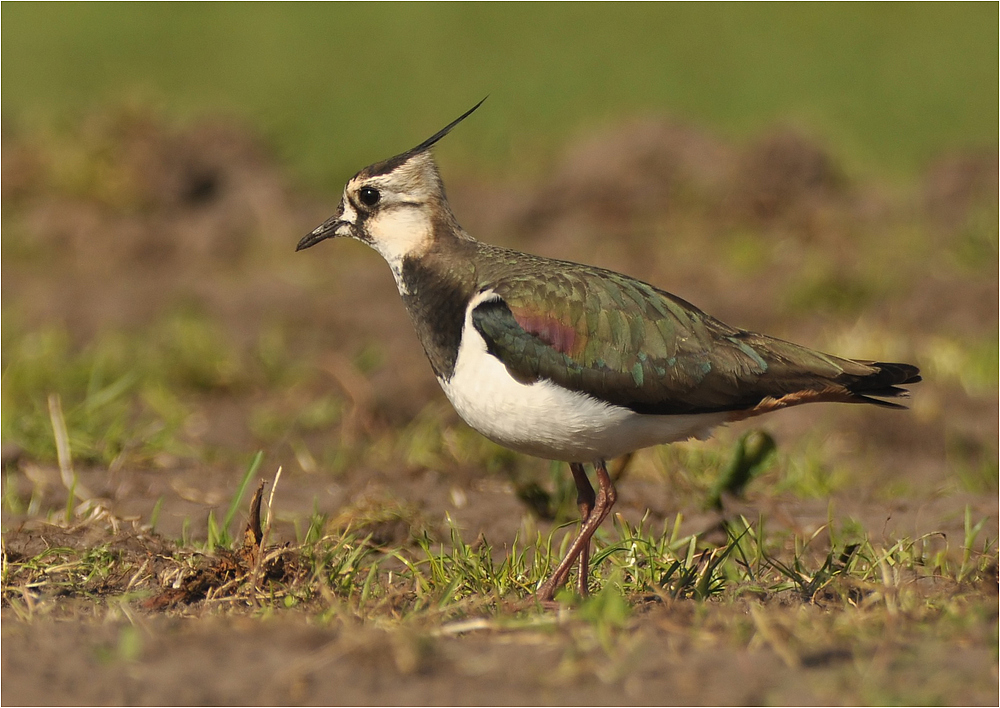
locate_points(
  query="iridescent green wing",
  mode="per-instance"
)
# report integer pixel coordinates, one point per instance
(630, 344)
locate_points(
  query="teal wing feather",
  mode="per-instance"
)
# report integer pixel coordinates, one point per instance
(625, 342)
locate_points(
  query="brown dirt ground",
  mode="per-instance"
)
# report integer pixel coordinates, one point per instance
(223, 661)
(202, 217)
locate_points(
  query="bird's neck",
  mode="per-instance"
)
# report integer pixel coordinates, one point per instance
(412, 232)
(436, 287)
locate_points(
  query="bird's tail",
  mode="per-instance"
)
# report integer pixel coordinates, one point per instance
(884, 382)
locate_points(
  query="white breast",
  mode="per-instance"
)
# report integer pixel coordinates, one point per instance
(546, 420)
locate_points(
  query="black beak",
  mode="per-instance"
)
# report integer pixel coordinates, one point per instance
(328, 229)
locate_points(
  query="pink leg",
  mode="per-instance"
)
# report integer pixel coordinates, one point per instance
(580, 548)
(585, 499)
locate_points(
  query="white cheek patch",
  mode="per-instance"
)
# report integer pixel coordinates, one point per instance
(398, 233)
(349, 214)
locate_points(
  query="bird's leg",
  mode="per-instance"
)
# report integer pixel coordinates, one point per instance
(585, 499)
(605, 499)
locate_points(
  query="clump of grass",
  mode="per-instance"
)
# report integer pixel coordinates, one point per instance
(704, 473)
(383, 518)
(751, 454)
(219, 535)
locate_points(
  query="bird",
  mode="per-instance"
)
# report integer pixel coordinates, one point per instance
(572, 362)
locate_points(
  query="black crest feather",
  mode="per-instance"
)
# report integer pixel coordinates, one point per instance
(392, 163)
(443, 132)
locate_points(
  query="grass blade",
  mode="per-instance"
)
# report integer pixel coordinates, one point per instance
(234, 505)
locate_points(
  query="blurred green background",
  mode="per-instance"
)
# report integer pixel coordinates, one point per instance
(335, 86)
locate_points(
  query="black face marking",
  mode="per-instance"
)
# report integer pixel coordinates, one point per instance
(369, 196)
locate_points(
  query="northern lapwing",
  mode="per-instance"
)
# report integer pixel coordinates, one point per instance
(567, 361)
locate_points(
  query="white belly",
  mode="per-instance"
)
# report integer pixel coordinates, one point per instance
(545, 420)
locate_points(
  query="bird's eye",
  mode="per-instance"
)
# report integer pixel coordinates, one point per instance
(369, 196)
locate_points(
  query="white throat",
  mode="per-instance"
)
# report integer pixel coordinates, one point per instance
(398, 233)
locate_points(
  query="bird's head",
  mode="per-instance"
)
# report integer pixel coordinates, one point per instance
(393, 205)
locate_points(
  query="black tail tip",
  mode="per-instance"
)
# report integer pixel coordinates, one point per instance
(895, 374)
(885, 382)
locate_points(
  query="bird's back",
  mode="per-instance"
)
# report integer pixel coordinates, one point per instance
(631, 344)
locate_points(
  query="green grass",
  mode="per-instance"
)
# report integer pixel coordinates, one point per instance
(128, 395)
(449, 577)
(836, 593)
(338, 86)
(445, 579)
(108, 408)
